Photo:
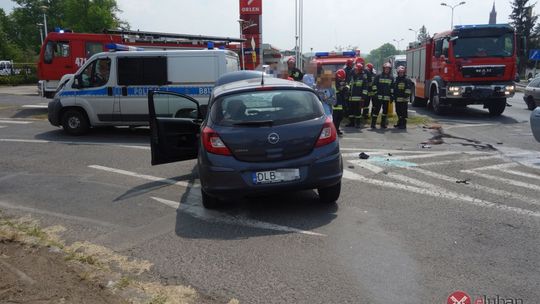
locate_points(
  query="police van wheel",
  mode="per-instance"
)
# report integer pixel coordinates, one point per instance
(497, 107)
(75, 122)
(330, 194)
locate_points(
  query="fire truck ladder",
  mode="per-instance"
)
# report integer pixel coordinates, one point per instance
(155, 37)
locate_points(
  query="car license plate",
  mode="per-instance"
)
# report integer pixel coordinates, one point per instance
(275, 176)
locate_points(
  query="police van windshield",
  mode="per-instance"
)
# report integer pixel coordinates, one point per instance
(276, 107)
(492, 46)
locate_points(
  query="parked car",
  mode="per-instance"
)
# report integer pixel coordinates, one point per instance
(535, 123)
(531, 95)
(258, 136)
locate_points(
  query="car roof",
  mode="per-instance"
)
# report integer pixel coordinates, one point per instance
(255, 83)
(237, 76)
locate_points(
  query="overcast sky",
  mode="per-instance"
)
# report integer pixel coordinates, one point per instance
(327, 23)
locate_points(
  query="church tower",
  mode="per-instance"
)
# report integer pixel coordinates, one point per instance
(493, 15)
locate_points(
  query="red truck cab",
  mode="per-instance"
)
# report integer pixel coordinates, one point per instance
(332, 61)
(472, 64)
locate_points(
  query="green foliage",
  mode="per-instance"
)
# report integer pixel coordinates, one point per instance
(523, 20)
(18, 80)
(378, 56)
(423, 34)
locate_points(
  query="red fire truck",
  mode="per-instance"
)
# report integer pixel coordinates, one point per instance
(333, 61)
(471, 64)
(64, 52)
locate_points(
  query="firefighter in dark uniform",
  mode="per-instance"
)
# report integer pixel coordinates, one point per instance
(349, 69)
(342, 95)
(370, 77)
(382, 90)
(359, 91)
(294, 72)
(402, 94)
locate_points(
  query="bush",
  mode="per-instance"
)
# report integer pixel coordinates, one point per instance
(14, 80)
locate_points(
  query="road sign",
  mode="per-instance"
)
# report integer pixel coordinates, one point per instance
(534, 55)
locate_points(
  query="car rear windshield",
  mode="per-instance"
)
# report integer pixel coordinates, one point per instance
(274, 107)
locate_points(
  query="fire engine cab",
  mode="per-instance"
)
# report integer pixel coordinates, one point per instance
(65, 52)
(332, 61)
(471, 64)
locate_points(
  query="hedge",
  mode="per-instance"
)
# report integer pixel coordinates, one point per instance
(14, 80)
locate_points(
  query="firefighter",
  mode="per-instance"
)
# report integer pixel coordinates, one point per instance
(382, 93)
(370, 75)
(294, 72)
(402, 94)
(342, 89)
(349, 69)
(358, 85)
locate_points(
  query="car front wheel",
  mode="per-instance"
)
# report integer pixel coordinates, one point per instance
(330, 194)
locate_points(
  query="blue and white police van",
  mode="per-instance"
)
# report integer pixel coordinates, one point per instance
(111, 88)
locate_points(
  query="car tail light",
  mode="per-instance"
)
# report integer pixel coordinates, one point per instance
(328, 134)
(213, 143)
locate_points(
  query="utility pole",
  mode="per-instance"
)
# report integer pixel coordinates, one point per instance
(452, 7)
(241, 22)
(44, 9)
(40, 25)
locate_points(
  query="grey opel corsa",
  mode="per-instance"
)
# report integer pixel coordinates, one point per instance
(256, 136)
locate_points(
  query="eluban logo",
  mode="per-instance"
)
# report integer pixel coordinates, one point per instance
(459, 297)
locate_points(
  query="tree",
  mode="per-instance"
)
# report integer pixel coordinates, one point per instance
(8, 49)
(523, 20)
(378, 55)
(423, 34)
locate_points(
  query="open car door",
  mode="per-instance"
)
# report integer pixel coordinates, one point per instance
(175, 121)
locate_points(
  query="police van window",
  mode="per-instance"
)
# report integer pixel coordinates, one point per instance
(438, 48)
(142, 71)
(56, 49)
(2, 66)
(96, 74)
(445, 47)
(93, 48)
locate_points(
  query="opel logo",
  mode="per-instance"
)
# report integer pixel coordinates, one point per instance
(273, 138)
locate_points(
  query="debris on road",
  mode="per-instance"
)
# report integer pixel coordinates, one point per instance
(363, 155)
(426, 147)
(464, 181)
(351, 167)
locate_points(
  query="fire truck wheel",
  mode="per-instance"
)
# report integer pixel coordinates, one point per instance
(75, 122)
(496, 107)
(436, 105)
(418, 102)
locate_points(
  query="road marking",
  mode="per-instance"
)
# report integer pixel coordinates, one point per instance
(445, 194)
(477, 186)
(144, 176)
(216, 216)
(1, 127)
(382, 151)
(73, 218)
(496, 167)
(435, 154)
(503, 180)
(364, 164)
(469, 126)
(452, 161)
(34, 106)
(90, 143)
(528, 175)
(15, 122)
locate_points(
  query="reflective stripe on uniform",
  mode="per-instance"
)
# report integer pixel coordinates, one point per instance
(338, 107)
(385, 80)
(355, 98)
(407, 91)
(401, 99)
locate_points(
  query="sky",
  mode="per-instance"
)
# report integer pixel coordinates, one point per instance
(327, 23)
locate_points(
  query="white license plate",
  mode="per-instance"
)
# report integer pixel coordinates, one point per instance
(275, 176)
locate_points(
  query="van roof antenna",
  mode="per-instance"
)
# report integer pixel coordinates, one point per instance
(264, 67)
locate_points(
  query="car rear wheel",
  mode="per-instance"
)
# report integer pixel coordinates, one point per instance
(531, 105)
(496, 107)
(75, 122)
(210, 202)
(330, 194)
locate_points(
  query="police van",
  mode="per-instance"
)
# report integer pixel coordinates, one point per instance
(6, 67)
(111, 88)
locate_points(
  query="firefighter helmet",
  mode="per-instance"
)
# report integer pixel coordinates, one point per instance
(350, 62)
(340, 74)
(370, 66)
(359, 67)
(387, 65)
(359, 60)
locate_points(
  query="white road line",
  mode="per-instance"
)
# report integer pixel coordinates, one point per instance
(76, 219)
(15, 122)
(89, 143)
(382, 151)
(503, 180)
(496, 167)
(458, 160)
(367, 166)
(435, 154)
(469, 126)
(220, 217)
(1, 127)
(524, 174)
(34, 106)
(143, 176)
(475, 186)
(446, 194)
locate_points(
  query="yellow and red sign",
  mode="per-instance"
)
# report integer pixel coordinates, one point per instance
(251, 16)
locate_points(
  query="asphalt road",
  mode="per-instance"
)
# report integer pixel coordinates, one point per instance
(414, 222)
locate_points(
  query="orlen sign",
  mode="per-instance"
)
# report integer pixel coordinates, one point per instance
(250, 7)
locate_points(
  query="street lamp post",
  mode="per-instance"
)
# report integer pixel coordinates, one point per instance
(44, 9)
(398, 41)
(452, 7)
(415, 34)
(241, 22)
(40, 25)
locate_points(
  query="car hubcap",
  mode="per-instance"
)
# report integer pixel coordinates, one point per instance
(74, 122)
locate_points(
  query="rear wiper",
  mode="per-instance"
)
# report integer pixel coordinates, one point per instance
(255, 123)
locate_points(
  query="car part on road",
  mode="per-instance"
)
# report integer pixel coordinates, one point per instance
(363, 155)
